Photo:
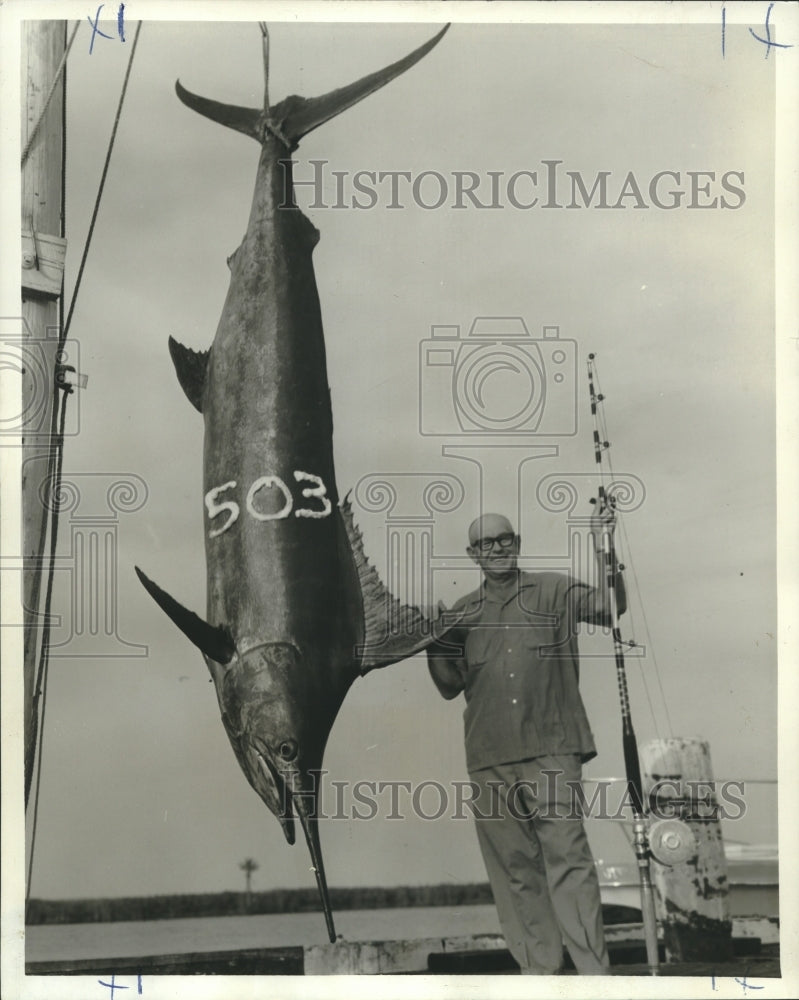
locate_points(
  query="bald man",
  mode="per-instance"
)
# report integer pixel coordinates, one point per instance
(514, 656)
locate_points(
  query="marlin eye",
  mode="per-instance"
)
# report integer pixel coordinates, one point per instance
(287, 749)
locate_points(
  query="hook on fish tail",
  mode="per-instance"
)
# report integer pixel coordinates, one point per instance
(265, 51)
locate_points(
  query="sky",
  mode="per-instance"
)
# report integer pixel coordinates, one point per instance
(140, 791)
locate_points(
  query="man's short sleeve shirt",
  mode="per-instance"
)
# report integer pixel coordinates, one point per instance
(522, 670)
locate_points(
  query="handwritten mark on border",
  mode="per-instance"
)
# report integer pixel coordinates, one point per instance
(96, 30)
(767, 41)
(114, 985)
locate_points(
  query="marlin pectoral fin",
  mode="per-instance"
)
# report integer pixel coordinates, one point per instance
(190, 367)
(302, 115)
(246, 120)
(396, 631)
(392, 631)
(215, 641)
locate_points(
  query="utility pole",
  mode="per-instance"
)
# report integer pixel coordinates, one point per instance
(42, 260)
(248, 866)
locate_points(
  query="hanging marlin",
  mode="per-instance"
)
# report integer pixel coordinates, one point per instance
(294, 610)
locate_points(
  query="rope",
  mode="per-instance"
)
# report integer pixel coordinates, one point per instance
(48, 99)
(63, 180)
(44, 658)
(55, 464)
(53, 502)
(265, 48)
(51, 472)
(35, 821)
(51, 457)
(111, 141)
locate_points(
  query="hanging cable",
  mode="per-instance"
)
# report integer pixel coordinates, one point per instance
(93, 221)
(35, 820)
(63, 231)
(61, 67)
(61, 71)
(265, 48)
(47, 482)
(52, 497)
(44, 658)
(52, 451)
(56, 455)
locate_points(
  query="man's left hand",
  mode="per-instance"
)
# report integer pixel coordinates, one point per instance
(603, 520)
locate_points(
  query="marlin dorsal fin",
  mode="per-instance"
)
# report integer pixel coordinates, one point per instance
(215, 641)
(191, 367)
(393, 631)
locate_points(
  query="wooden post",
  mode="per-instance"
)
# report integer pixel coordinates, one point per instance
(692, 896)
(43, 45)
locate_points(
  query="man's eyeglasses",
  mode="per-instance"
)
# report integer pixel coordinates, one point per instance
(486, 544)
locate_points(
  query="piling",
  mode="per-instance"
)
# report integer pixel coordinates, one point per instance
(42, 262)
(692, 895)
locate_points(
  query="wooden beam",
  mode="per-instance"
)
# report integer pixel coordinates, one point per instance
(244, 962)
(475, 953)
(43, 44)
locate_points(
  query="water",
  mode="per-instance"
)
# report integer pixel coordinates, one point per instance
(124, 939)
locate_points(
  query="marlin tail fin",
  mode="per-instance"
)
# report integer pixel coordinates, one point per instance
(295, 117)
(244, 120)
(302, 115)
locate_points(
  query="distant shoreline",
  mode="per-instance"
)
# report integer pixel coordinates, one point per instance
(223, 904)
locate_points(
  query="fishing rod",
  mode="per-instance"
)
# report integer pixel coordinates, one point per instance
(632, 763)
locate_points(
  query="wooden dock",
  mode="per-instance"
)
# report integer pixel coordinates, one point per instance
(756, 942)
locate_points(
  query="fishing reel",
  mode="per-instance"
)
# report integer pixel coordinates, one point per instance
(672, 842)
